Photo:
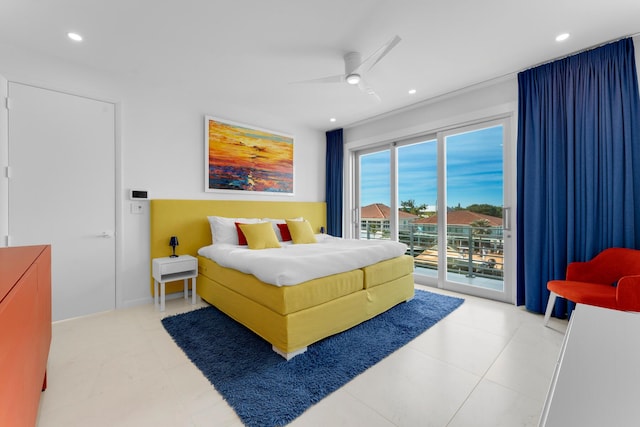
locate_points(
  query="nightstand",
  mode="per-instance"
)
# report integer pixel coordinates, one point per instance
(167, 269)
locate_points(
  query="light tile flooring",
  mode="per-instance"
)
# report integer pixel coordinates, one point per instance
(486, 364)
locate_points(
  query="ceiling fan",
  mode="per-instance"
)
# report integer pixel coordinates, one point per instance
(355, 68)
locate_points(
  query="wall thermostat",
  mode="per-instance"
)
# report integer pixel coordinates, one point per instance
(138, 195)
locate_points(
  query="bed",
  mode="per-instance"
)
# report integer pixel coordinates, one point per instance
(289, 316)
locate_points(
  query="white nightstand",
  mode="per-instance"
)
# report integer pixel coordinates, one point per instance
(168, 269)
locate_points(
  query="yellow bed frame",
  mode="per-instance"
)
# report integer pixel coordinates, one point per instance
(286, 317)
(187, 219)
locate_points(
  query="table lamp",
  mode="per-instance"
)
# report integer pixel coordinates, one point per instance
(173, 242)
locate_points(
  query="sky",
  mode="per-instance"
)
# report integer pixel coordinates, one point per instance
(474, 171)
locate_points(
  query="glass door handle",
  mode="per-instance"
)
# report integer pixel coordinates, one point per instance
(506, 219)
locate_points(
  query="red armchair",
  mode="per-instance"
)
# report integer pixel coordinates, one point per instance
(610, 280)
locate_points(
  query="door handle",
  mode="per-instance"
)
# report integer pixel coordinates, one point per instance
(106, 234)
(506, 219)
(355, 215)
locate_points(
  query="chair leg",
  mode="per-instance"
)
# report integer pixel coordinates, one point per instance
(550, 305)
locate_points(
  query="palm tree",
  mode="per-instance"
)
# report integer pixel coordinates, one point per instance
(372, 229)
(480, 227)
(411, 207)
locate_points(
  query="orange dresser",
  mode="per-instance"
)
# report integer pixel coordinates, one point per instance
(25, 331)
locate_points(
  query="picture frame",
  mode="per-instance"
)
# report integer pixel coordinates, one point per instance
(246, 159)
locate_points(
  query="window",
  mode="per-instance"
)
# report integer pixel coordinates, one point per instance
(402, 187)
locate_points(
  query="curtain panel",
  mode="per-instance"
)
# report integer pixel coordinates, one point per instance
(578, 165)
(334, 179)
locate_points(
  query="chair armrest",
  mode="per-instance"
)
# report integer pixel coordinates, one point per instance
(628, 293)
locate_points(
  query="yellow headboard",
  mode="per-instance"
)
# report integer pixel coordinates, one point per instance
(187, 219)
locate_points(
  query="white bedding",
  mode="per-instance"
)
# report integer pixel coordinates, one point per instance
(293, 264)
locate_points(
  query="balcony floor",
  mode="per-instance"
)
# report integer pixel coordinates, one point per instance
(477, 281)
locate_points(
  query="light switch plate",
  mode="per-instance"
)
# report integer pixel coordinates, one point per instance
(137, 208)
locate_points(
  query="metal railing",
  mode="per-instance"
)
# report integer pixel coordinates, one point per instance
(473, 251)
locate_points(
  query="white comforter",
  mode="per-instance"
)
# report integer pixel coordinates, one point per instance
(292, 264)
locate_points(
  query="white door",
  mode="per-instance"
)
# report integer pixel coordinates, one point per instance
(62, 192)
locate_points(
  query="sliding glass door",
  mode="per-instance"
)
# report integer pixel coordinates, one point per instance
(474, 199)
(418, 197)
(444, 196)
(375, 194)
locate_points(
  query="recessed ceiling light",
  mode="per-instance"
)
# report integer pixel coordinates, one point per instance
(332, 119)
(412, 91)
(75, 37)
(562, 37)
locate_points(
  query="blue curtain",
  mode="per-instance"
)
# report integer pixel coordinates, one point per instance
(578, 165)
(334, 175)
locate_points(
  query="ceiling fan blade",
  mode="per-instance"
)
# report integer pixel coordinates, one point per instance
(376, 56)
(366, 88)
(330, 79)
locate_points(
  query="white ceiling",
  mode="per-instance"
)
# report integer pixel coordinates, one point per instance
(248, 52)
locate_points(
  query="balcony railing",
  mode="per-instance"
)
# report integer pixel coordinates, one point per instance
(472, 251)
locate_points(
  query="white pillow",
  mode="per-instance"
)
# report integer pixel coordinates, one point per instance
(223, 229)
(275, 222)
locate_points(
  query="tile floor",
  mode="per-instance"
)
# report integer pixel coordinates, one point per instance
(486, 364)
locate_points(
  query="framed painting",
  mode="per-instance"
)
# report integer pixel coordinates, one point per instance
(242, 158)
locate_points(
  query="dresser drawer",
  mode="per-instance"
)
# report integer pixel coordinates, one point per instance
(178, 267)
(167, 269)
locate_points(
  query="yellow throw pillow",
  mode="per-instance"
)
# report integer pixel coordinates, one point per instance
(260, 235)
(301, 231)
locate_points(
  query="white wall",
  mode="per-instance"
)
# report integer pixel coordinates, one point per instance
(160, 149)
(454, 109)
(484, 100)
(4, 183)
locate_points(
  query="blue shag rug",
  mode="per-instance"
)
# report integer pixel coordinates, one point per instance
(266, 390)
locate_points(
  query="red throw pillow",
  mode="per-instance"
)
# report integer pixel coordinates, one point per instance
(242, 240)
(284, 232)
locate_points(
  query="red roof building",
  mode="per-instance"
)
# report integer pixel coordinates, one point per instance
(462, 217)
(381, 211)
(374, 219)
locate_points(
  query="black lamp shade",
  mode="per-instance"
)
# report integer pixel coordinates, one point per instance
(173, 242)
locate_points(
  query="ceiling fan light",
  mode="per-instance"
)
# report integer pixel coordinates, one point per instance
(353, 79)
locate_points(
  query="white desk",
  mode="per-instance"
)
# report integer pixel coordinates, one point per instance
(168, 269)
(597, 378)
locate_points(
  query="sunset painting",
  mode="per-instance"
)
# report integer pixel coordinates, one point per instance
(242, 158)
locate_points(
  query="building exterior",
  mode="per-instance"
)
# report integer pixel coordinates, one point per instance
(375, 223)
(484, 231)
